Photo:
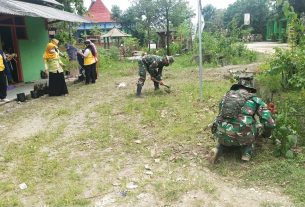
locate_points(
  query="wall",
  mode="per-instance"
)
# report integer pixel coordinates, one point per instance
(31, 49)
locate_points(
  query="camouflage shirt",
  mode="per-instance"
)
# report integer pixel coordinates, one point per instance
(152, 62)
(242, 130)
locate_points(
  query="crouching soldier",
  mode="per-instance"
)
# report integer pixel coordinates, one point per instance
(153, 65)
(241, 116)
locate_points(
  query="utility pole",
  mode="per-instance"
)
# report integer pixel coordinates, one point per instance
(167, 27)
(200, 49)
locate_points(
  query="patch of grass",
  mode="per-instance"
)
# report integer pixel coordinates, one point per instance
(181, 182)
(70, 196)
(6, 187)
(100, 135)
(119, 68)
(10, 201)
(270, 204)
(63, 112)
(104, 109)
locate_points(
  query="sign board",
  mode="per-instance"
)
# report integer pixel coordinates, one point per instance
(153, 46)
(247, 19)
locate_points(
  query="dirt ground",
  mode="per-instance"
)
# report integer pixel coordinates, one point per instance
(114, 177)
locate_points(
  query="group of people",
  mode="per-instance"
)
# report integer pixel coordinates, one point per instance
(54, 66)
(243, 117)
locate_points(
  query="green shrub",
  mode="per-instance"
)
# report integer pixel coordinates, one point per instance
(290, 65)
(222, 48)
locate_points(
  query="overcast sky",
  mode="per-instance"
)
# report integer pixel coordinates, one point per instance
(123, 4)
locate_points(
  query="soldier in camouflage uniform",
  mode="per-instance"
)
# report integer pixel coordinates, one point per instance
(241, 129)
(153, 65)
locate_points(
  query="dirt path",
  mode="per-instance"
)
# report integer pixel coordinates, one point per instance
(113, 157)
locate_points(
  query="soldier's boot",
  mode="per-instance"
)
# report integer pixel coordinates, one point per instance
(156, 84)
(139, 89)
(215, 154)
(247, 151)
(246, 157)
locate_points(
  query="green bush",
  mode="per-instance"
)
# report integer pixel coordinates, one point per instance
(285, 135)
(290, 65)
(222, 48)
(175, 48)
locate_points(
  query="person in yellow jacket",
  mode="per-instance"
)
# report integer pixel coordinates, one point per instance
(3, 82)
(89, 56)
(53, 65)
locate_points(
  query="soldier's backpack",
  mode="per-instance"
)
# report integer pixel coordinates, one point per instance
(232, 103)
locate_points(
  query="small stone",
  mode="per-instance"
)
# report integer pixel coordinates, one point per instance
(115, 184)
(157, 160)
(148, 172)
(122, 85)
(147, 167)
(123, 193)
(138, 141)
(23, 186)
(131, 185)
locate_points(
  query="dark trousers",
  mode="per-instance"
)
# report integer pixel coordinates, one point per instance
(90, 72)
(3, 85)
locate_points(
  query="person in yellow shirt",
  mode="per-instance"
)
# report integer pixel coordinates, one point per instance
(53, 65)
(89, 56)
(3, 82)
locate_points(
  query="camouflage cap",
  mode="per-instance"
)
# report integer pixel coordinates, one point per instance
(244, 81)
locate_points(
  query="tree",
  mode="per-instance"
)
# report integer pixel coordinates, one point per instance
(208, 12)
(213, 18)
(258, 9)
(146, 12)
(298, 5)
(74, 6)
(172, 13)
(116, 13)
(131, 24)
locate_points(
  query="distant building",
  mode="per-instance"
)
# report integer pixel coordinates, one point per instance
(98, 16)
(277, 28)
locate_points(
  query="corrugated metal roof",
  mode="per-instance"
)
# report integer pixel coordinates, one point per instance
(34, 10)
(41, 2)
(52, 2)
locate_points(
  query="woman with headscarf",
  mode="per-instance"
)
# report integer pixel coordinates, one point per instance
(57, 83)
(89, 62)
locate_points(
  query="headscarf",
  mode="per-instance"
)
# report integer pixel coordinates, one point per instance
(90, 45)
(53, 44)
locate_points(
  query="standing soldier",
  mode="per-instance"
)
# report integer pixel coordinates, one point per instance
(153, 65)
(236, 124)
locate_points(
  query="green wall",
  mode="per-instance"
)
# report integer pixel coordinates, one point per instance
(31, 49)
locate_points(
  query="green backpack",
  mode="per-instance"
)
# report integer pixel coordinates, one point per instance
(232, 103)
